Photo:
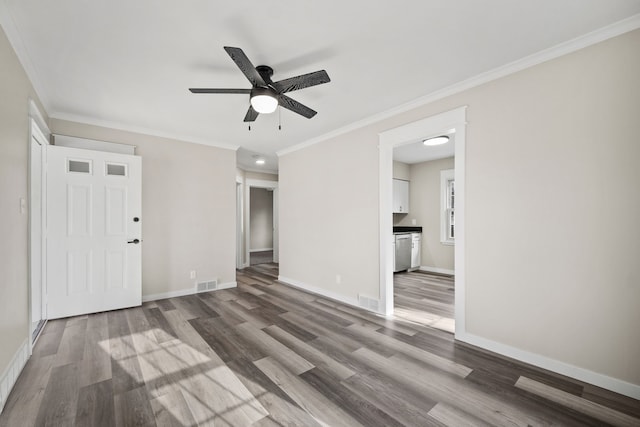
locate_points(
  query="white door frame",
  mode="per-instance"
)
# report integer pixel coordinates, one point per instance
(276, 222)
(257, 183)
(409, 133)
(38, 131)
(239, 223)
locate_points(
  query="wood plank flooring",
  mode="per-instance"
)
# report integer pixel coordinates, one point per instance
(261, 257)
(265, 354)
(425, 298)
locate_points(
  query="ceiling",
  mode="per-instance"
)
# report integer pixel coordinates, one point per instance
(127, 64)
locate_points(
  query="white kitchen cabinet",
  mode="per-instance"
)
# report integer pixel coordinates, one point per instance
(400, 196)
(416, 241)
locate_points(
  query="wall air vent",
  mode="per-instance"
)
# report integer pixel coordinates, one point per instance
(368, 303)
(207, 286)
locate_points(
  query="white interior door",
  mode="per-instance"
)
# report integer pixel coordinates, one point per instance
(93, 231)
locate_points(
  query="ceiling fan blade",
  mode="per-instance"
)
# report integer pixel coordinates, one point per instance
(251, 115)
(295, 106)
(302, 81)
(245, 65)
(204, 90)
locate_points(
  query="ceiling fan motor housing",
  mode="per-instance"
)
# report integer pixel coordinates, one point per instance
(265, 72)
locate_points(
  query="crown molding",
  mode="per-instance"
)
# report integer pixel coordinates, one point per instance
(141, 130)
(581, 42)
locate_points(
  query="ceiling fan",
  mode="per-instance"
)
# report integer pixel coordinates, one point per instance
(266, 95)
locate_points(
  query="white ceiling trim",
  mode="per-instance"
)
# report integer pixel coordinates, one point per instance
(141, 130)
(10, 29)
(597, 36)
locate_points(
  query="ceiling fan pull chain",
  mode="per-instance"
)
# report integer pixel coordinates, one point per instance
(279, 117)
(249, 127)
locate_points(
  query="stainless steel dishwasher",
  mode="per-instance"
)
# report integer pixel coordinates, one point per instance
(403, 252)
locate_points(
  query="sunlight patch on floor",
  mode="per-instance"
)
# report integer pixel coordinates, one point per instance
(187, 384)
(424, 318)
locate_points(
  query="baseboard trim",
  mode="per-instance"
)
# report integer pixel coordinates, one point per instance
(323, 293)
(260, 250)
(436, 270)
(12, 372)
(600, 380)
(183, 292)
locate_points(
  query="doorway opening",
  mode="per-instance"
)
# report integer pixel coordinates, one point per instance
(448, 123)
(424, 284)
(261, 225)
(261, 222)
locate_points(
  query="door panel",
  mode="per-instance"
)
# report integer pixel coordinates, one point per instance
(79, 210)
(92, 200)
(79, 272)
(116, 212)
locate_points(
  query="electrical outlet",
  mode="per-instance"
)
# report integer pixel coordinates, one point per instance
(338, 279)
(413, 221)
(192, 275)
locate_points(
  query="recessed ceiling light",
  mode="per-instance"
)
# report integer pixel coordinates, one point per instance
(260, 162)
(437, 140)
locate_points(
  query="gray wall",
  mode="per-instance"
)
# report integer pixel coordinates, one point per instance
(188, 207)
(552, 208)
(15, 92)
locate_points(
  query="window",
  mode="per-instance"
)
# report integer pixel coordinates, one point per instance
(79, 166)
(116, 169)
(447, 207)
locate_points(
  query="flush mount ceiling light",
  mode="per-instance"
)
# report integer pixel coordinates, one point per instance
(264, 100)
(436, 140)
(259, 160)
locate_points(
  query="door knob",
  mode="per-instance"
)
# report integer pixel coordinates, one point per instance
(134, 241)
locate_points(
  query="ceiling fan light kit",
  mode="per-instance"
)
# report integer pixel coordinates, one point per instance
(264, 100)
(265, 94)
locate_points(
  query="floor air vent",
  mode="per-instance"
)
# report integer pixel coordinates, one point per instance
(207, 286)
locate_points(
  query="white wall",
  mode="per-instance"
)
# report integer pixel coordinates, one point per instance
(401, 171)
(261, 219)
(328, 216)
(552, 208)
(424, 199)
(188, 208)
(15, 91)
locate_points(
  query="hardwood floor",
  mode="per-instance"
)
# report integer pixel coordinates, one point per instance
(262, 257)
(266, 354)
(425, 299)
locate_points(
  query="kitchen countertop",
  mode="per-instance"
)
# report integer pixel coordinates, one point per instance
(406, 229)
